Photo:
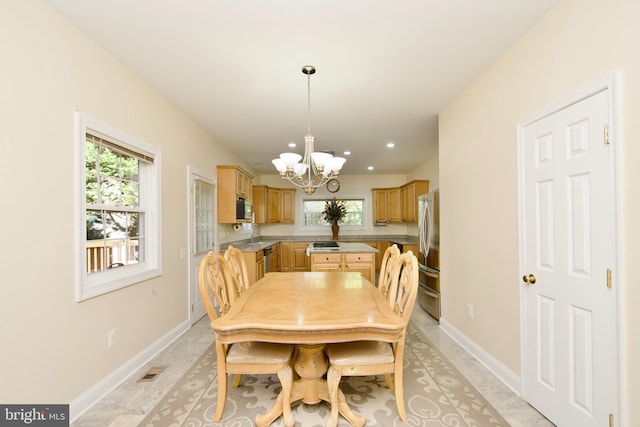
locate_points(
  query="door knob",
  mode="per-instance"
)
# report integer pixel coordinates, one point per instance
(529, 279)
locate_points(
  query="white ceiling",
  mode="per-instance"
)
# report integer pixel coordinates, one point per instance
(385, 68)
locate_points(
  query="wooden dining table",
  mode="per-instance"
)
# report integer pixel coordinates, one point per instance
(310, 310)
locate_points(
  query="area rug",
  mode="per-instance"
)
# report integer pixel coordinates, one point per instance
(436, 394)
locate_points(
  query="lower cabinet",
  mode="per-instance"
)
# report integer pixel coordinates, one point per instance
(255, 265)
(381, 246)
(293, 256)
(410, 247)
(363, 263)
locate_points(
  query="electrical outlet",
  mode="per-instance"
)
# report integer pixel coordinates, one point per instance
(183, 253)
(469, 311)
(111, 337)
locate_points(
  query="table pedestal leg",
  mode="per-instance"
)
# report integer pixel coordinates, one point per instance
(310, 364)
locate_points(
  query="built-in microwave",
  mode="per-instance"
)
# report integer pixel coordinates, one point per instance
(243, 210)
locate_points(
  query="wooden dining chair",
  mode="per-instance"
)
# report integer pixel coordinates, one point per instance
(385, 278)
(215, 278)
(238, 265)
(362, 358)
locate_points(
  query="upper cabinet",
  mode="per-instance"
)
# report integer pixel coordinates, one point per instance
(273, 205)
(398, 204)
(410, 192)
(233, 183)
(387, 205)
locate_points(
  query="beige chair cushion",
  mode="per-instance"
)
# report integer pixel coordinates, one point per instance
(360, 353)
(259, 352)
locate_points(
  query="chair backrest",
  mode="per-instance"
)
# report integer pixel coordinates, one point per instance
(238, 265)
(215, 278)
(386, 269)
(404, 287)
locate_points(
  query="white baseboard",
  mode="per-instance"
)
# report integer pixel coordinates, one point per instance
(503, 373)
(90, 397)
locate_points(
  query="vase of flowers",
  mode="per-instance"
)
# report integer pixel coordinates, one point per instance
(334, 211)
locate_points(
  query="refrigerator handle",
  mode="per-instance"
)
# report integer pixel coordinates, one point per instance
(425, 234)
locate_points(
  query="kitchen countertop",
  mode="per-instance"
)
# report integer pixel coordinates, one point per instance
(344, 247)
(255, 246)
(263, 242)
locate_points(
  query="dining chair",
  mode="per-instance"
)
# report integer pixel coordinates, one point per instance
(238, 265)
(386, 267)
(362, 358)
(215, 278)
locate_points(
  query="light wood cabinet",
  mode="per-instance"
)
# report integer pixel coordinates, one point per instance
(326, 262)
(387, 205)
(245, 183)
(288, 201)
(233, 182)
(395, 205)
(381, 246)
(255, 265)
(410, 192)
(363, 263)
(293, 256)
(398, 204)
(285, 256)
(410, 247)
(273, 205)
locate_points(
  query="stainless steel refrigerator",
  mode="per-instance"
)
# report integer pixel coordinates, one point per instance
(429, 257)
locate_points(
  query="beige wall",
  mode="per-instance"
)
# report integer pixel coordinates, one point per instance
(577, 43)
(53, 348)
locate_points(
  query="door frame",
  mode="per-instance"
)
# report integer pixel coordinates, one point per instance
(193, 172)
(612, 85)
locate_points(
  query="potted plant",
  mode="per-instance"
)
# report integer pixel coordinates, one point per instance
(334, 211)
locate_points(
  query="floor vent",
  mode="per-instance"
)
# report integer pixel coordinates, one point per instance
(151, 374)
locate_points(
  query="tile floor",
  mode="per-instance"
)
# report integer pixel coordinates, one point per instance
(129, 403)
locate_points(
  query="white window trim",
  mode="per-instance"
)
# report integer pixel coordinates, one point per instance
(304, 227)
(89, 286)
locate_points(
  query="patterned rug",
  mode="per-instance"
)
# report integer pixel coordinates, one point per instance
(436, 394)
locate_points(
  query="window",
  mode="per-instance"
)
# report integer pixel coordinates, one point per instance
(312, 211)
(119, 199)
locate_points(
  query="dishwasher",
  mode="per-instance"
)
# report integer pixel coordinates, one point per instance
(269, 259)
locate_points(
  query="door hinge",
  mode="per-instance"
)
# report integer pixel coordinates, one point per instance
(610, 420)
(609, 280)
(606, 134)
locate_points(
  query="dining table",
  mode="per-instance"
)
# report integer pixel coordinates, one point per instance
(310, 310)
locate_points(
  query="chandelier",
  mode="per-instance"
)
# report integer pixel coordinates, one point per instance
(315, 168)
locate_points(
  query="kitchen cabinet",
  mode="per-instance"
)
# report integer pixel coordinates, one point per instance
(255, 265)
(387, 205)
(285, 256)
(293, 256)
(410, 192)
(233, 182)
(381, 246)
(410, 247)
(273, 205)
(363, 263)
(398, 204)
(288, 201)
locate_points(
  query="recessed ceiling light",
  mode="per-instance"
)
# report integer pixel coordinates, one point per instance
(390, 145)
(347, 153)
(370, 168)
(292, 144)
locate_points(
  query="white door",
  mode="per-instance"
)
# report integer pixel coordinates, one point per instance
(201, 233)
(568, 252)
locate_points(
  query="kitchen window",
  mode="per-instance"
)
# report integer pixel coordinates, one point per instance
(119, 218)
(312, 212)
